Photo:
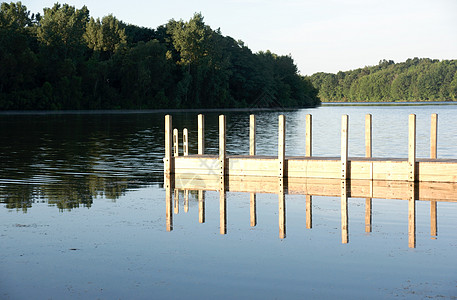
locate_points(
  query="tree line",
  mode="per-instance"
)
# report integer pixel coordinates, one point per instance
(417, 79)
(66, 59)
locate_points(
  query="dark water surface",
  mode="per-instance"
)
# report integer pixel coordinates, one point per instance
(83, 214)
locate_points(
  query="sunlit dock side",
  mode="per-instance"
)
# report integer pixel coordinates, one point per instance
(429, 169)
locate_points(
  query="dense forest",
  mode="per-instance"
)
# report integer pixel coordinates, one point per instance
(66, 59)
(414, 80)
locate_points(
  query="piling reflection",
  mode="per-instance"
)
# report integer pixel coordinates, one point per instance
(253, 209)
(344, 213)
(346, 189)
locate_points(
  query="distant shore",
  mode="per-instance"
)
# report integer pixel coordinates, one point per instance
(140, 111)
(404, 103)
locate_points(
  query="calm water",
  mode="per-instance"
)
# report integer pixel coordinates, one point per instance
(83, 214)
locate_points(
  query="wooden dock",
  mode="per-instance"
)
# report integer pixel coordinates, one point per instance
(202, 165)
(412, 179)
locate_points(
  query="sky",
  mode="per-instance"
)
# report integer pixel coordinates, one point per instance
(320, 35)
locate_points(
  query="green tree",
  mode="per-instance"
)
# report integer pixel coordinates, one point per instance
(105, 35)
(14, 16)
(62, 27)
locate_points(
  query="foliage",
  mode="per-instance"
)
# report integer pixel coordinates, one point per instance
(414, 80)
(65, 59)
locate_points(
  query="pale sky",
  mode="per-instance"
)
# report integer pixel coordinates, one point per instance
(320, 35)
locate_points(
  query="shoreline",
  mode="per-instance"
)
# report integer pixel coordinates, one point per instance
(191, 110)
(415, 103)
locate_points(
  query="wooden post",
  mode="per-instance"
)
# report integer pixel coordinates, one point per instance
(222, 150)
(222, 193)
(368, 153)
(201, 206)
(282, 210)
(201, 134)
(433, 220)
(252, 129)
(344, 147)
(368, 135)
(176, 202)
(344, 213)
(309, 211)
(412, 147)
(433, 136)
(281, 145)
(168, 146)
(412, 216)
(186, 201)
(185, 143)
(253, 209)
(175, 143)
(169, 202)
(309, 136)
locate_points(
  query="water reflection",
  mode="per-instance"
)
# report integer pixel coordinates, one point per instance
(309, 187)
(69, 160)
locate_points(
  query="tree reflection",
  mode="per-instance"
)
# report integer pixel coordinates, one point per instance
(69, 160)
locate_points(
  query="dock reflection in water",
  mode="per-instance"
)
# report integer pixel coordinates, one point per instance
(368, 189)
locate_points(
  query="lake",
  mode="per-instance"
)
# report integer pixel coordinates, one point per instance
(83, 213)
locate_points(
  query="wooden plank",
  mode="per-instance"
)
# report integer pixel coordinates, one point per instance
(433, 136)
(185, 143)
(168, 145)
(361, 170)
(309, 135)
(281, 175)
(197, 165)
(437, 171)
(344, 147)
(313, 168)
(222, 137)
(391, 170)
(252, 133)
(281, 145)
(376, 169)
(175, 143)
(222, 146)
(368, 135)
(255, 167)
(412, 147)
(201, 134)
